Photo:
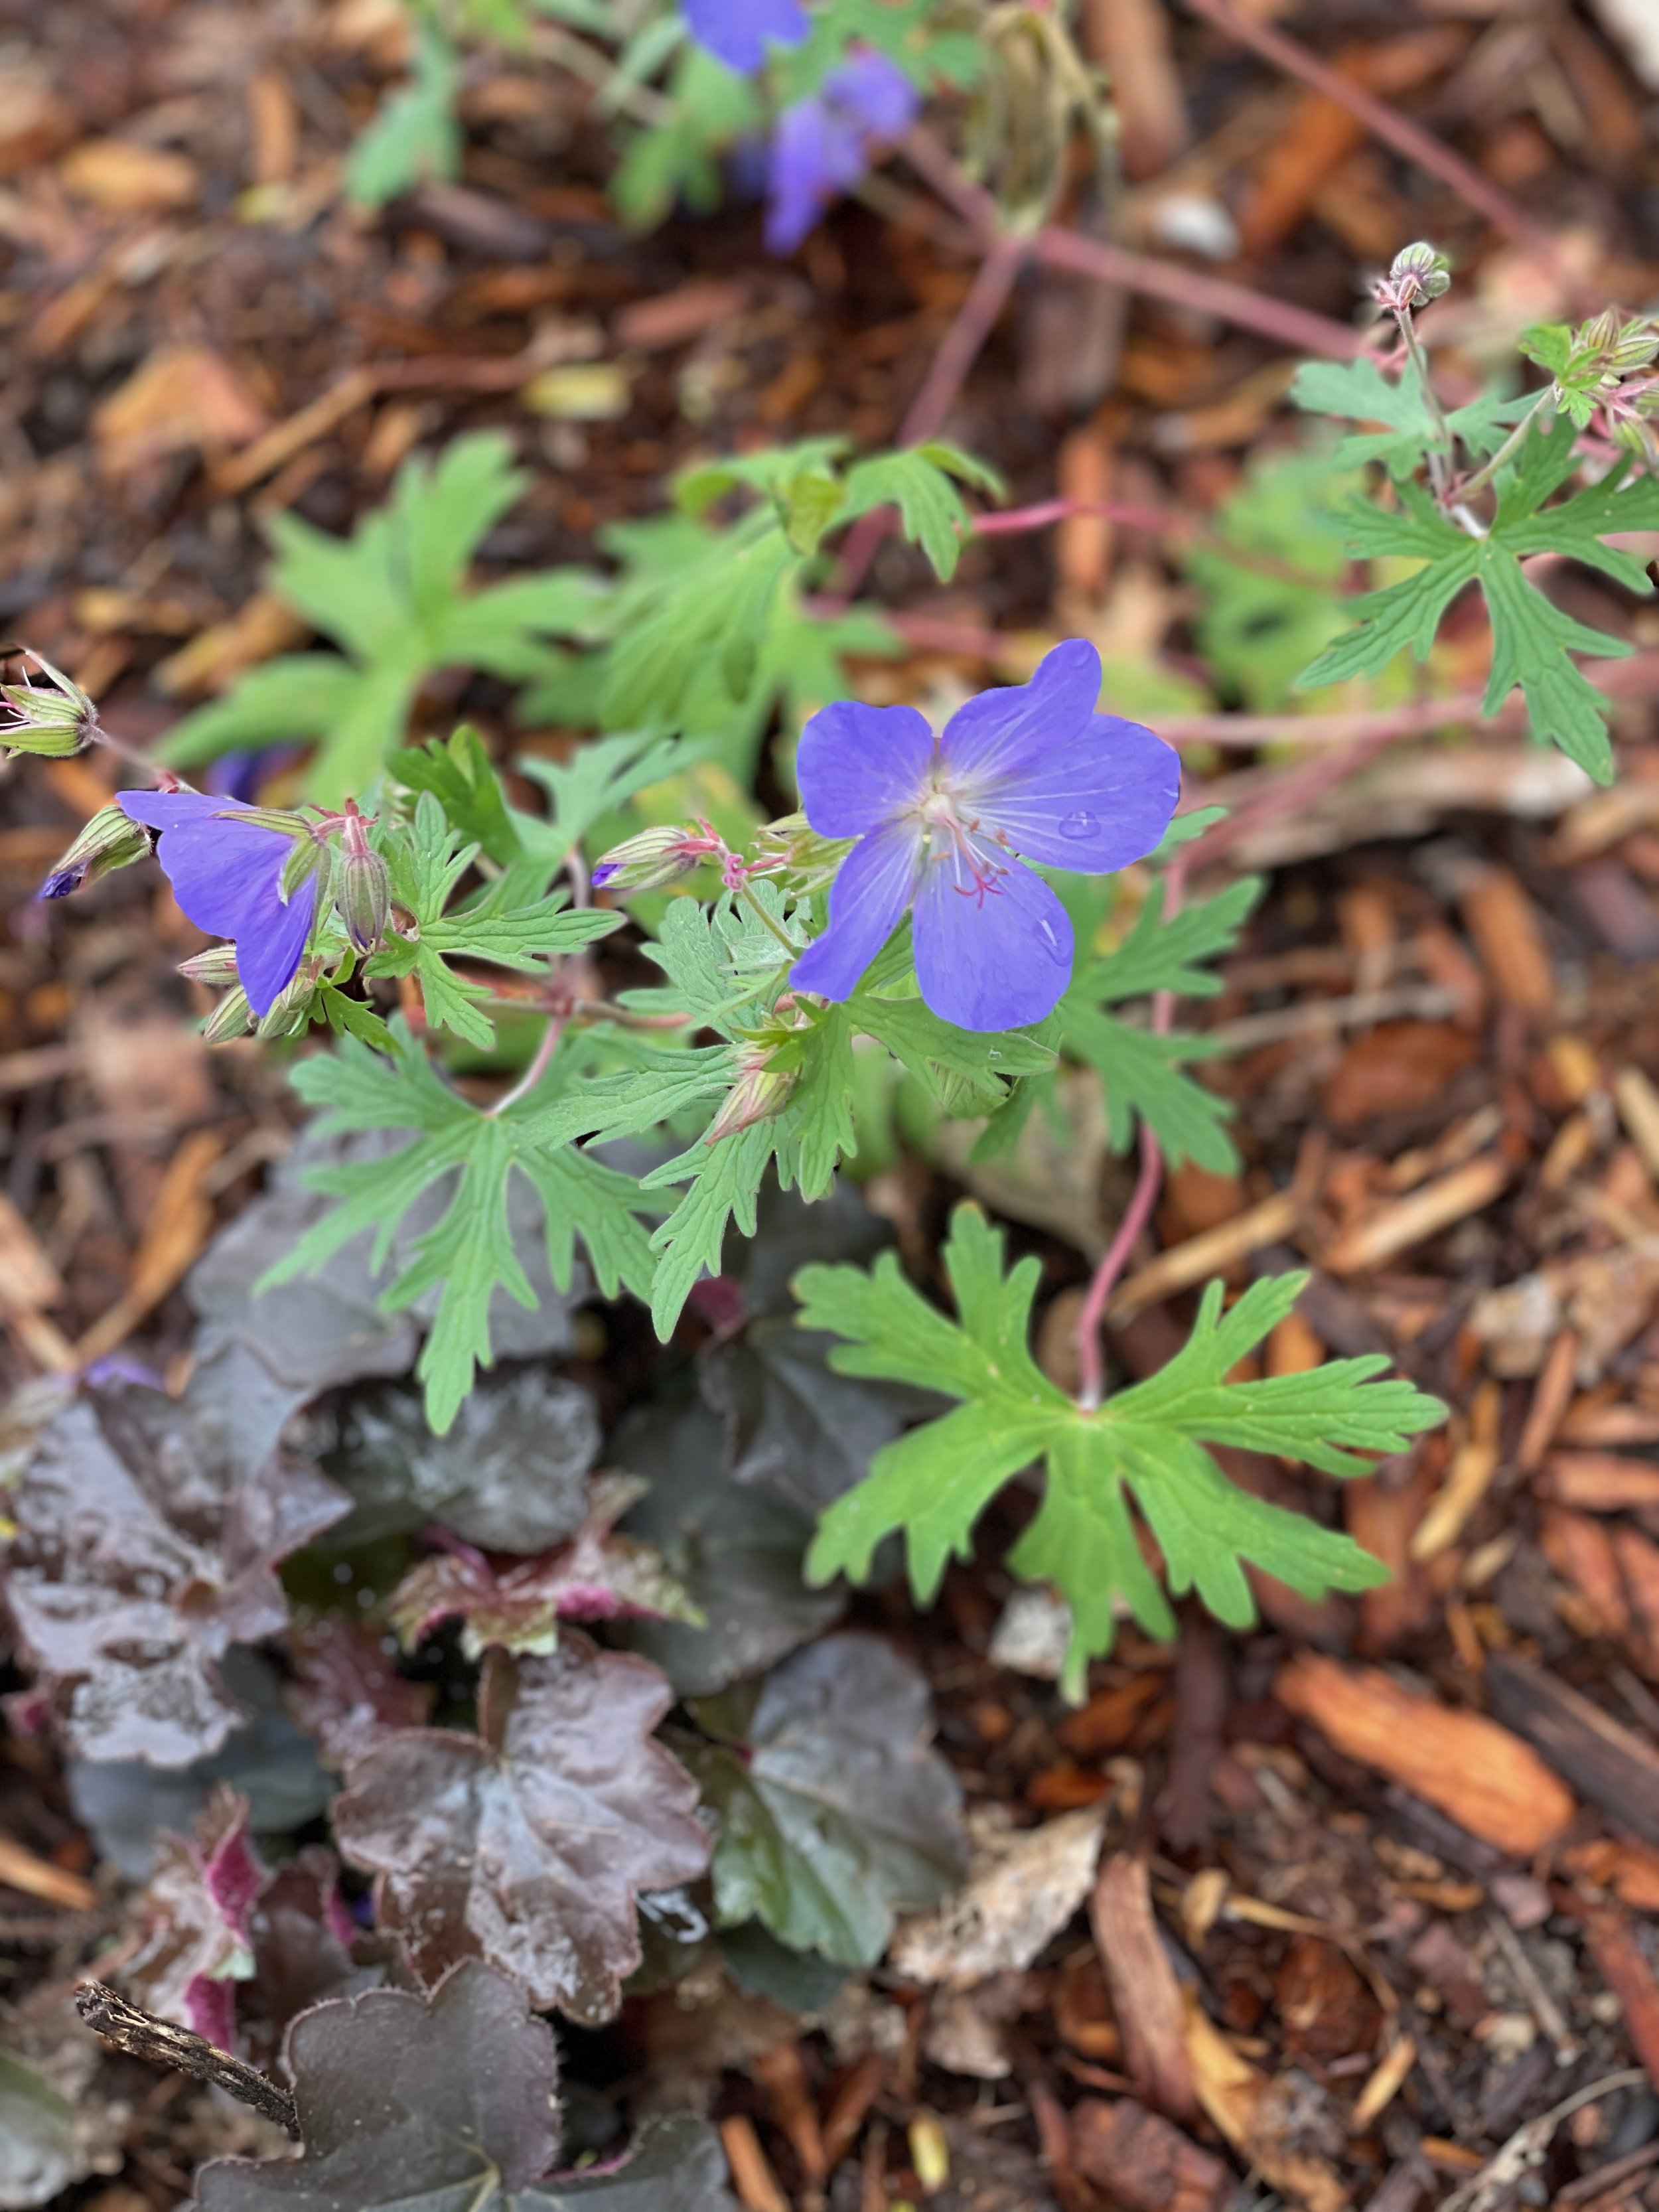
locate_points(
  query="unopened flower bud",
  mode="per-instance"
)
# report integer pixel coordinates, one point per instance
(54, 722)
(216, 967)
(1635, 347)
(761, 1090)
(362, 895)
(1419, 273)
(231, 1017)
(791, 847)
(655, 857)
(111, 840)
(310, 857)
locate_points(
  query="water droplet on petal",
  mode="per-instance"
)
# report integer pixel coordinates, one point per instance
(1081, 824)
(1046, 931)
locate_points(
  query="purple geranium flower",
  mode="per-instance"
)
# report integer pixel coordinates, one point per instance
(226, 865)
(821, 145)
(738, 31)
(1033, 768)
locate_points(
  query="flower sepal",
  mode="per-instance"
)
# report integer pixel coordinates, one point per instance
(50, 723)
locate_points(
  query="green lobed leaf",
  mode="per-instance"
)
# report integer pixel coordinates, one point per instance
(1145, 1447)
(467, 1254)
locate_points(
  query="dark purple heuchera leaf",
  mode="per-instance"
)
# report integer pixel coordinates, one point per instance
(346, 1692)
(519, 1603)
(528, 1848)
(306, 1946)
(139, 1560)
(196, 1908)
(445, 2104)
(235, 1952)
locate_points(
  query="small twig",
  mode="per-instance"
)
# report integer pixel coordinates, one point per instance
(1383, 121)
(1526, 2147)
(142, 2035)
(1091, 1353)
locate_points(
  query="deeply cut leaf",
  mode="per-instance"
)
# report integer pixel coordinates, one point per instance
(1146, 1444)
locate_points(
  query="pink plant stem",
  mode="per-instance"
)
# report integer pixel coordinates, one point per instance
(1114, 510)
(959, 349)
(537, 1067)
(1298, 329)
(1090, 1352)
(1384, 122)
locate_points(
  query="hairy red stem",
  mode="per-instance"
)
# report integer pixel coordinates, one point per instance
(959, 349)
(1090, 1352)
(1298, 329)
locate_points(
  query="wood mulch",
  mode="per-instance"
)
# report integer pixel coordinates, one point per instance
(1405, 1848)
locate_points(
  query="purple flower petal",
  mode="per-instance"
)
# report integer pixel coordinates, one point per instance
(991, 962)
(1094, 805)
(868, 895)
(875, 92)
(1017, 728)
(738, 31)
(857, 766)
(815, 154)
(226, 869)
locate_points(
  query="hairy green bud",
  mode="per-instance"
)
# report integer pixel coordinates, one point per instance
(111, 840)
(52, 723)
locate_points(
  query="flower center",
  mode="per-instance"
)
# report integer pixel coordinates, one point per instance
(953, 838)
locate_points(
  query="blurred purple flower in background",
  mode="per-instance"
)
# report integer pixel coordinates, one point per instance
(1032, 768)
(226, 865)
(738, 31)
(821, 145)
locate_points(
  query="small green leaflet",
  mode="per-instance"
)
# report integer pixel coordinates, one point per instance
(1146, 1444)
(467, 1254)
(1532, 638)
(425, 862)
(1359, 392)
(918, 483)
(727, 966)
(394, 597)
(1141, 1073)
(415, 134)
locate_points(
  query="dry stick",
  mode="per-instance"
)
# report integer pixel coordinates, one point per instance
(959, 349)
(141, 2035)
(1383, 121)
(1091, 1354)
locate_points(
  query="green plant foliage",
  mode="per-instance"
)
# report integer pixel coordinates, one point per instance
(395, 597)
(1533, 639)
(1141, 1073)
(1146, 1444)
(415, 136)
(834, 1812)
(426, 860)
(728, 967)
(466, 1254)
(1270, 586)
(1358, 390)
